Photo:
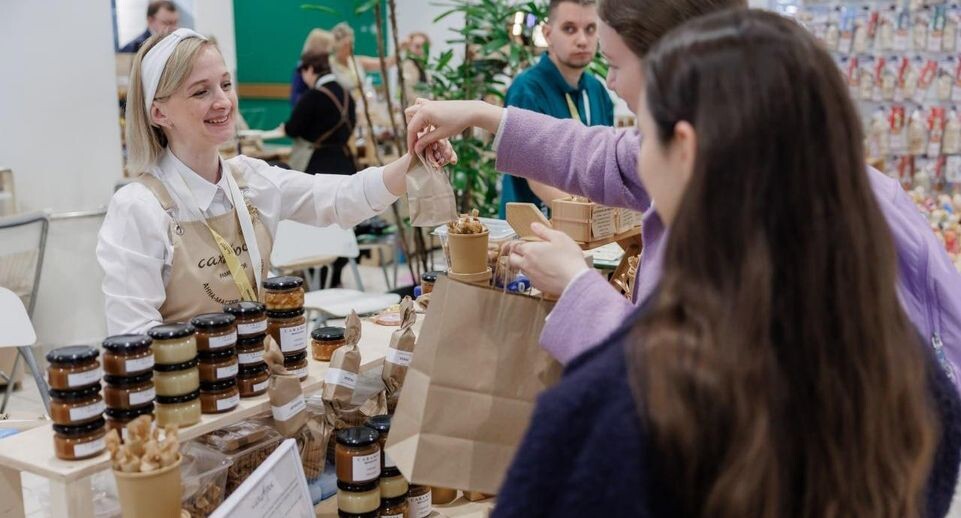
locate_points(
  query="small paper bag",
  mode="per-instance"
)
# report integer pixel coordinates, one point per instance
(429, 194)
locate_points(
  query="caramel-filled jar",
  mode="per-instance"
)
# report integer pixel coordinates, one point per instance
(427, 280)
(250, 349)
(253, 380)
(284, 293)
(173, 343)
(296, 365)
(73, 367)
(129, 392)
(119, 418)
(218, 365)
(127, 355)
(288, 329)
(219, 397)
(215, 332)
(357, 455)
(251, 317)
(325, 340)
(73, 407)
(80, 441)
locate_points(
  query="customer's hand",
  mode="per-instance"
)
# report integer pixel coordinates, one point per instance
(550, 264)
(430, 121)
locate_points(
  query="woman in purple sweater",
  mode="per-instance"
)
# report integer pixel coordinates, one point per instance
(600, 163)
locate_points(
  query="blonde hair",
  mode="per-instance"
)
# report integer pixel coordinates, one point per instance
(146, 141)
(342, 31)
(318, 41)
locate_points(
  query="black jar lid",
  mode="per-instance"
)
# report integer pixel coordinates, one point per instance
(358, 436)
(328, 333)
(212, 320)
(219, 385)
(285, 313)
(71, 395)
(285, 282)
(126, 381)
(390, 472)
(170, 331)
(345, 514)
(173, 367)
(245, 308)
(129, 414)
(127, 343)
(252, 369)
(428, 277)
(247, 341)
(73, 430)
(72, 354)
(381, 423)
(174, 400)
(394, 502)
(217, 354)
(295, 357)
(358, 487)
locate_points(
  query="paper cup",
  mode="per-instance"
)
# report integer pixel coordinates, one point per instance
(468, 252)
(480, 279)
(157, 494)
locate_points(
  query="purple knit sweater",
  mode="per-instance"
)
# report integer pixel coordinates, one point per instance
(601, 164)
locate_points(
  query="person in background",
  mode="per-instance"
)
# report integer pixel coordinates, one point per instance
(322, 122)
(559, 86)
(352, 75)
(600, 163)
(773, 373)
(318, 41)
(415, 77)
(162, 17)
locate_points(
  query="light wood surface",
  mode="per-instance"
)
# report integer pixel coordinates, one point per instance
(636, 231)
(460, 508)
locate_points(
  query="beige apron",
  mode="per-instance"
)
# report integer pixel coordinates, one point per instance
(200, 281)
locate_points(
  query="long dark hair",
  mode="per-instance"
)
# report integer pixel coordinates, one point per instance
(776, 370)
(642, 22)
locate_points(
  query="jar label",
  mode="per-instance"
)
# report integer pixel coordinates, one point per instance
(250, 358)
(300, 373)
(341, 377)
(229, 371)
(389, 462)
(420, 506)
(399, 357)
(228, 403)
(83, 413)
(254, 328)
(143, 397)
(89, 448)
(82, 379)
(123, 433)
(401, 515)
(140, 364)
(293, 338)
(288, 410)
(261, 386)
(366, 467)
(219, 342)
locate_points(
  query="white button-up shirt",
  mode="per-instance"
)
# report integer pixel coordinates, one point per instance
(135, 248)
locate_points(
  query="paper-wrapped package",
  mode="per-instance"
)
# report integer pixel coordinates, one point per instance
(285, 393)
(341, 378)
(401, 349)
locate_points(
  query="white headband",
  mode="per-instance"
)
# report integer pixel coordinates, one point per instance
(153, 63)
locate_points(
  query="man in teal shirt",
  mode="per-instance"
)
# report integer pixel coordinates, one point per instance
(559, 86)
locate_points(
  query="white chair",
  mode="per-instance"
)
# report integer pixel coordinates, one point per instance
(22, 242)
(70, 303)
(301, 247)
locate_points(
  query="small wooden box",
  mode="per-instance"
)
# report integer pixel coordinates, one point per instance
(583, 220)
(627, 219)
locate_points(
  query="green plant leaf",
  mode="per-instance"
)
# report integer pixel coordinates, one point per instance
(322, 8)
(363, 6)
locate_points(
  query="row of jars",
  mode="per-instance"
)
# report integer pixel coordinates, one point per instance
(76, 405)
(286, 323)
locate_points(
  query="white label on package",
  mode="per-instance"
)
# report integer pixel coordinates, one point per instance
(82, 379)
(219, 342)
(250, 358)
(401, 515)
(83, 413)
(143, 397)
(252, 329)
(227, 372)
(602, 222)
(89, 448)
(293, 338)
(227, 404)
(261, 386)
(367, 467)
(389, 462)
(290, 409)
(341, 377)
(398, 357)
(140, 364)
(420, 506)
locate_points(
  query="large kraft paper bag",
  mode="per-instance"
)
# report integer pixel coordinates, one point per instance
(471, 388)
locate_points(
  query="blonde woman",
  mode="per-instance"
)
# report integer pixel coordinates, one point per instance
(195, 231)
(352, 75)
(318, 41)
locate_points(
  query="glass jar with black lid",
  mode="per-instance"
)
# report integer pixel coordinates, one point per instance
(123, 392)
(173, 343)
(127, 355)
(74, 407)
(283, 293)
(215, 331)
(73, 367)
(119, 418)
(289, 329)
(251, 317)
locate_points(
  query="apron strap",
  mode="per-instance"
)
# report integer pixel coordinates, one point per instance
(158, 189)
(244, 210)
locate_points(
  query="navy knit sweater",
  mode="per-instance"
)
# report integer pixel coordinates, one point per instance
(586, 453)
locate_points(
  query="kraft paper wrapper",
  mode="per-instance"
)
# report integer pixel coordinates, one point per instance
(429, 194)
(283, 389)
(403, 340)
(346, 358)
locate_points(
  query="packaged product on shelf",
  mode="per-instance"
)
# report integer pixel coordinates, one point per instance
(936, 31)
(341, 377)
(285, 393)
(861, 22)
(246, 445)
(847, 26)
(905, 169)
(936, 123)
(950, 41)
(917, 133)
(919, 33)
(952, 171)
(204, 474)
(897, 123)
(866, 78)
(956, 91)
(907, 80)
(885, 79)
(945, 81)
(951, 144)
(926, 78)
(878, 141)
(401, 349)
(902, 35)
(853, 76)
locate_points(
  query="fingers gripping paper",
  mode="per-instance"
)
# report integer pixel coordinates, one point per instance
(429, 194)
(470, 389)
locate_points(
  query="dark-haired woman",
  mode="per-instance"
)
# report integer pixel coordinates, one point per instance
(600, 163)
(773, 373)
(322, 121)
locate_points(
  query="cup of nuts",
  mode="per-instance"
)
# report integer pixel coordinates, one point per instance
(147, 470)
(467, 243)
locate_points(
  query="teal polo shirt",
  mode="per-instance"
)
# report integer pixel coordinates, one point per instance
(543, 89)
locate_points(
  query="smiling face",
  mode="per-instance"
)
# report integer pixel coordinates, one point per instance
(625, 72)
(201, 113)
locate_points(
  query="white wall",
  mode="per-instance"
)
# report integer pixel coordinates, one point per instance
(216, 18)
(418, 15)
(59, 119)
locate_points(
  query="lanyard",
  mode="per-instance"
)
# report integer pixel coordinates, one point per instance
(573, 108)
(247, 291)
